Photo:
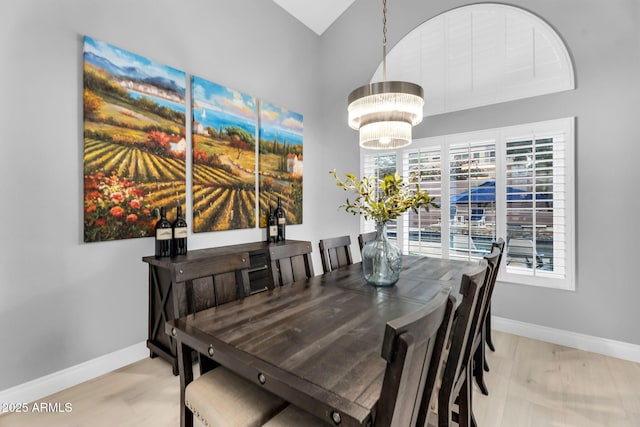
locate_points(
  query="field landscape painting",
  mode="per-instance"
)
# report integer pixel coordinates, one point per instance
(224, 157)
(280, 161)
(134, 142)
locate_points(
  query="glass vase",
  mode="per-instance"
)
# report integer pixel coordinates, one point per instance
(381, 259)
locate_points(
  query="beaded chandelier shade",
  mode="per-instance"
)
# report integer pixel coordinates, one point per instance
(384, 112)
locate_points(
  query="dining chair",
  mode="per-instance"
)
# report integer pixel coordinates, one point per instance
(210, 283)
(486, 328)
(456, 380)
(335, 252)
(477, 346)
(412, 348)
(290, 262)
(364, 238)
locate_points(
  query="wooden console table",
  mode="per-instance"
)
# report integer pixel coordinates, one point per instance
(164, 276)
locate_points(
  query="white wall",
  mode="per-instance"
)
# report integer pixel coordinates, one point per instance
(62, 301)
(603, 39)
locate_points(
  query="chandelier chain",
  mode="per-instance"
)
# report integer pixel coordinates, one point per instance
(384, 40)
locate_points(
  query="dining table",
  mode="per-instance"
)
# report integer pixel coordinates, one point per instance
(316, 343)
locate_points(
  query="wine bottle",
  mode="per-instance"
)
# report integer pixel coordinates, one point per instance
(272, 227)
(164, 235)
(179, 233)
(282, 221)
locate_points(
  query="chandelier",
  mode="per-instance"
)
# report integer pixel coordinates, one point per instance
(384, 112)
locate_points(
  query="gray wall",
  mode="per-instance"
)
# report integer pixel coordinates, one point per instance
(63, 302)
(603, 38)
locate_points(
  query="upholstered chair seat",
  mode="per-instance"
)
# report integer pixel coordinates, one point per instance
(221, 398)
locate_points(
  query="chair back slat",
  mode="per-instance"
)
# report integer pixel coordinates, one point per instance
(335, 252)
(412, 347)
(290, 262)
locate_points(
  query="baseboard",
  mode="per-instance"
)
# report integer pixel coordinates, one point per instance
(57, 381)
(607, 347)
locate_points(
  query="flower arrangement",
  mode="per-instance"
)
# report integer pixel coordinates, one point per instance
(383, 199)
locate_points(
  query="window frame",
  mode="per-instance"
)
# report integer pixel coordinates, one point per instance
(535, 130)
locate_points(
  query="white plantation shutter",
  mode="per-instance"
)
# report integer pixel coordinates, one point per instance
(472, 189)
(421, 234)
(379, 165)
(539, 208)
(514, 182)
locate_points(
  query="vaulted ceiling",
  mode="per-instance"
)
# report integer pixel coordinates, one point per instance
(315, 14)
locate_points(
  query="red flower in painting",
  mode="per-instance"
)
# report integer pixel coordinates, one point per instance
(117, 197)
(134, 204)
(132, 218)
(93, 195)
(90, 208)
(145, 211)
(137, 192)
(100, 222)
(117, 211)
(90, 184)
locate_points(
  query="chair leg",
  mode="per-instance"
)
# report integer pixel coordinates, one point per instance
(487, 328)
(478, 369)
(483, 339)
(470, 416)
(185, 364)
(464, 403)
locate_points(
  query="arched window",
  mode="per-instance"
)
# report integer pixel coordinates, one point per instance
(513, 182)
(479, 55)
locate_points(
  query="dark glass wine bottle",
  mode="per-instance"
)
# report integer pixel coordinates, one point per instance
(179, 233)
(282, 221)
(164, 235)
(272, 227)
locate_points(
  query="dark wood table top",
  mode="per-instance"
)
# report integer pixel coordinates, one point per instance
(317, 342)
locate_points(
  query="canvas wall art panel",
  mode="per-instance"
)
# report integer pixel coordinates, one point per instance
(280, 161)
(134, 142)
(224, 157)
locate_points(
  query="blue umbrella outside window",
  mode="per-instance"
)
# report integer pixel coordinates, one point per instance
(486, 193)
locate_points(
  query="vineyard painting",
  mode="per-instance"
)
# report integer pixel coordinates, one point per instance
(280, 161)
(224, 158)
(134, 142)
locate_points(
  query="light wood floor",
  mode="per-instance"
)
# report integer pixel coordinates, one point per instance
(531, 383)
